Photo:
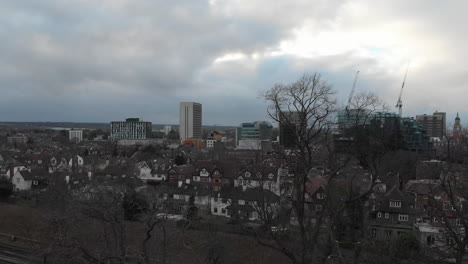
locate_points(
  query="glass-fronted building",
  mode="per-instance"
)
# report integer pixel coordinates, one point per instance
(251, 135)
(132, 128)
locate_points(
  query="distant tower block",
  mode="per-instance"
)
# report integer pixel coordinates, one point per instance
(75, 135)
(190, 120)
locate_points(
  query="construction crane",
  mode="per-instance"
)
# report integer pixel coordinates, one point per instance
(399, 103)
(352, 91)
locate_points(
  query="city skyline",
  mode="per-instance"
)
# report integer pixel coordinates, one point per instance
(130, 58)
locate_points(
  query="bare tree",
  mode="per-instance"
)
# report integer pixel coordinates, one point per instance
(306, 109)
(448, 211)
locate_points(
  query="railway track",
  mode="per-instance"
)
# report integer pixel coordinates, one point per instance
(10, 254)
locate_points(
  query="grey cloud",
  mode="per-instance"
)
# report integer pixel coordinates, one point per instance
(105, 60)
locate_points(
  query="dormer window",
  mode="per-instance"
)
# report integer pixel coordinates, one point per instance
(259, 175)
(247, 174)
(395, 204)
(204, 172)
(163, 167)
(271, 176)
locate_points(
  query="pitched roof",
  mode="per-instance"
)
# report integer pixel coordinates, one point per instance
(313, 185)
(27, 176)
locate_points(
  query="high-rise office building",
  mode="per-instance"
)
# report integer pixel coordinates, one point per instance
(167, 129)
(190, 118)
(289, 126)
(75, 135)
(132, 128)
(434, 125)
(256, 135)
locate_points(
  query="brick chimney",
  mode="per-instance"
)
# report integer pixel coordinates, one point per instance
(12, 171)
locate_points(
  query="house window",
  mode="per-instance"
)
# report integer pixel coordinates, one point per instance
(215, 210)
(388, 233)
(271, 176)
(223, 211)
(430, 240)
(247, 174)
(435, 220)
(395, 204)
(450, 241)
(318, 207)
(241, 202)
(402, 217)
(386, 215)
(320, 195)
(446, 206)
(35, 182)
(459, 222)
(18, 180)
(379, 215)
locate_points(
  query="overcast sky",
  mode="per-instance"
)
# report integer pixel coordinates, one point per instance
(99, 61)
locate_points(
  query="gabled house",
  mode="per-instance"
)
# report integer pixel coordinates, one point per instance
(15, 168)
(264, 176)
(203, 171)
(217, 174)
(159, 172)
(315, 195)
(143, 170)
(244, 204)
(40, 179)
(22, 180)
(182, 173)
(391, 214)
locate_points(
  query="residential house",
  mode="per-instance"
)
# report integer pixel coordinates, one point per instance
(143, 170)
(180, 173)
(391, 214)
(216, 174)
(265, 176)
(244, 204)
(22, 180)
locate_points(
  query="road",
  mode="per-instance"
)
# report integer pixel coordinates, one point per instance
(15, 255)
